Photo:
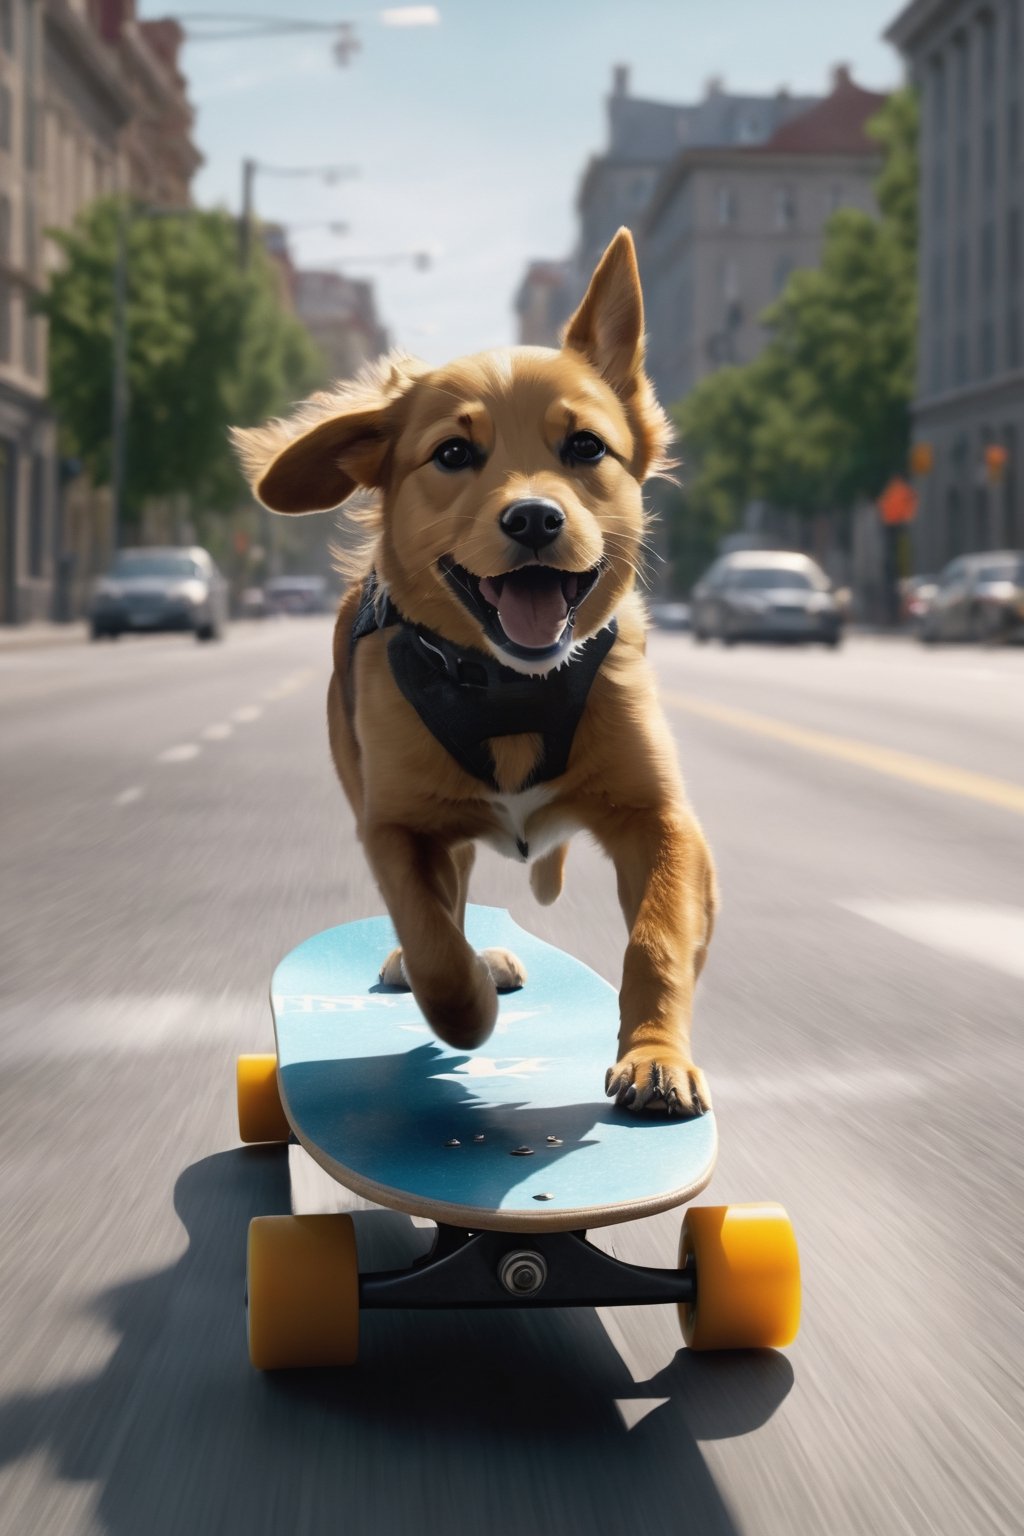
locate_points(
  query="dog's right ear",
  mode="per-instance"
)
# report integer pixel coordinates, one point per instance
(336, 442)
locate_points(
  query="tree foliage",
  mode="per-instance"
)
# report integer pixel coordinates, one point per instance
(822, 418)
(209, 345)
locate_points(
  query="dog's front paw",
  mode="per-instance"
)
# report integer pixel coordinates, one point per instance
(660, 1082)
(507, 972)
(392, 972)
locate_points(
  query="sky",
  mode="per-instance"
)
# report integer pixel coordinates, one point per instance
(469, 137)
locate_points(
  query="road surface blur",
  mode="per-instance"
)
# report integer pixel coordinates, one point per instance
(172, 827)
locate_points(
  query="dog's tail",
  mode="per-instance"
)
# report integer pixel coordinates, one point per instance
(547, 874)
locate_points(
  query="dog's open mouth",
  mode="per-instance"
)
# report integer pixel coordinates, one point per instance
(529, 611)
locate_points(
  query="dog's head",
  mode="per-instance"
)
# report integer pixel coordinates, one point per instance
(511, 512)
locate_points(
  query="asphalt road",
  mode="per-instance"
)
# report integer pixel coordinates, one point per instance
(171, 827)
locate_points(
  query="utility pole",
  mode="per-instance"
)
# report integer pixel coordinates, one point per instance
(119, 391)
(245, 228)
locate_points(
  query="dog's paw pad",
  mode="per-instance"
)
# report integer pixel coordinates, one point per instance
(507, 972)
(392, 972)
(661, 1084)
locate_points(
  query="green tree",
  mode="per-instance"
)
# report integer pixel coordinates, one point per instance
(209, 345)
(822, 419)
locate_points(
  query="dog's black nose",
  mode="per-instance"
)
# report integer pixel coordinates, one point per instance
(533, 523)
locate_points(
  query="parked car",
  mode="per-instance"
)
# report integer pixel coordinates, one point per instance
(296, 594)
(766, 595)
(916, 593)
(154, 589)
(977, 597)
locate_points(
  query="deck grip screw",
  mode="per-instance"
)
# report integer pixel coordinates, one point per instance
(554, 1141)
(454, 1142)
(547, 1196)
(522, 1151)
(479, 1138)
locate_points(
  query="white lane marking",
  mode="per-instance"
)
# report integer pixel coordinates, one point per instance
(990, 935)
(219, 732)
(247, 713)
(290, 684)
(183, 754)
(129, 796)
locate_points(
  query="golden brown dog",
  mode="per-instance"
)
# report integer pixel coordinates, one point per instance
(510, 527)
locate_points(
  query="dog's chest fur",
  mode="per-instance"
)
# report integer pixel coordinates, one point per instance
(520, 832)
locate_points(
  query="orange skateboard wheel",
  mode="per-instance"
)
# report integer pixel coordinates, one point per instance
(747, 1274)
(302, 1287)
(261, 1116)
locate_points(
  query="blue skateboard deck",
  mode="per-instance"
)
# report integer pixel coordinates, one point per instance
(515, 1136)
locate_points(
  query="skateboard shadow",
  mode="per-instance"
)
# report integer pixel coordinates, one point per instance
(426, 1120)
(499, 1416)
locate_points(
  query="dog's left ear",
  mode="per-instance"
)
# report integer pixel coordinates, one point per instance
(608, 327)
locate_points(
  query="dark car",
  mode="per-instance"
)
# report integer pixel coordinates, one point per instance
(160, 589)
(296, 594)
(977, 597)
(759, 595)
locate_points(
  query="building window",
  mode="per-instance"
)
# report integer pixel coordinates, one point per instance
(835, 198)
(30, 342)
(37, 518)
(784, 267)
(960, 359)
(939, 96)
(5, 320)
(785, 208)
(5, 118)
(988, 349)
(729, 279)
(7, 26)
(727, 206)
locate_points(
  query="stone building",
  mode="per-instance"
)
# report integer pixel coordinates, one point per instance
(91, 103)
(340, 314)
(618, 183)
(967, 61)
(725, 227)
(543, 303)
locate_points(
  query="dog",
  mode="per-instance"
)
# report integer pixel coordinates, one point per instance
(490, 681)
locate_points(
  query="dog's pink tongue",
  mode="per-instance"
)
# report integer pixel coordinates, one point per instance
(532, 612)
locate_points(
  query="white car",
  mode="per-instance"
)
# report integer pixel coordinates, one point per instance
(160, 589)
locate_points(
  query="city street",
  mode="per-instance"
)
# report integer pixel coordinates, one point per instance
(172, 826)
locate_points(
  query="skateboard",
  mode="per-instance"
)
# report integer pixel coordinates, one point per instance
(512, 1149)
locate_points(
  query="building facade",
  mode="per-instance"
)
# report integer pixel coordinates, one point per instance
(967, 61)
(340, 314)
(618, 184)
(726, 227)
(91, 103)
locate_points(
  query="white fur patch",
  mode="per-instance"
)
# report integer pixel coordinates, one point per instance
(515, 813)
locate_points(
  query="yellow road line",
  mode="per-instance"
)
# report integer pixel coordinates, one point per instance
(897, 765)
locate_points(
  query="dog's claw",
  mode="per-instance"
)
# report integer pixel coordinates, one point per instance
(672, 1087)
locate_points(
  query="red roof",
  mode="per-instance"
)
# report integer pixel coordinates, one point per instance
(836, 126)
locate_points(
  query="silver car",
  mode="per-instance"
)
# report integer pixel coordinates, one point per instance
(766, 595)
(154, 589)
(977, 597)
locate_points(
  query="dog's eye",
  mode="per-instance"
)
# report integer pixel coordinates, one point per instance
(455, 453)
(584, 448)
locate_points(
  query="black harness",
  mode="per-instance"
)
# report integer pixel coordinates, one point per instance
(466, 697)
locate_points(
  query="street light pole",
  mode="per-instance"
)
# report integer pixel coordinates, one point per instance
(329, 173)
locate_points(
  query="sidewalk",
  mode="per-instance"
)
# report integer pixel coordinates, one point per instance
(27, 637)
